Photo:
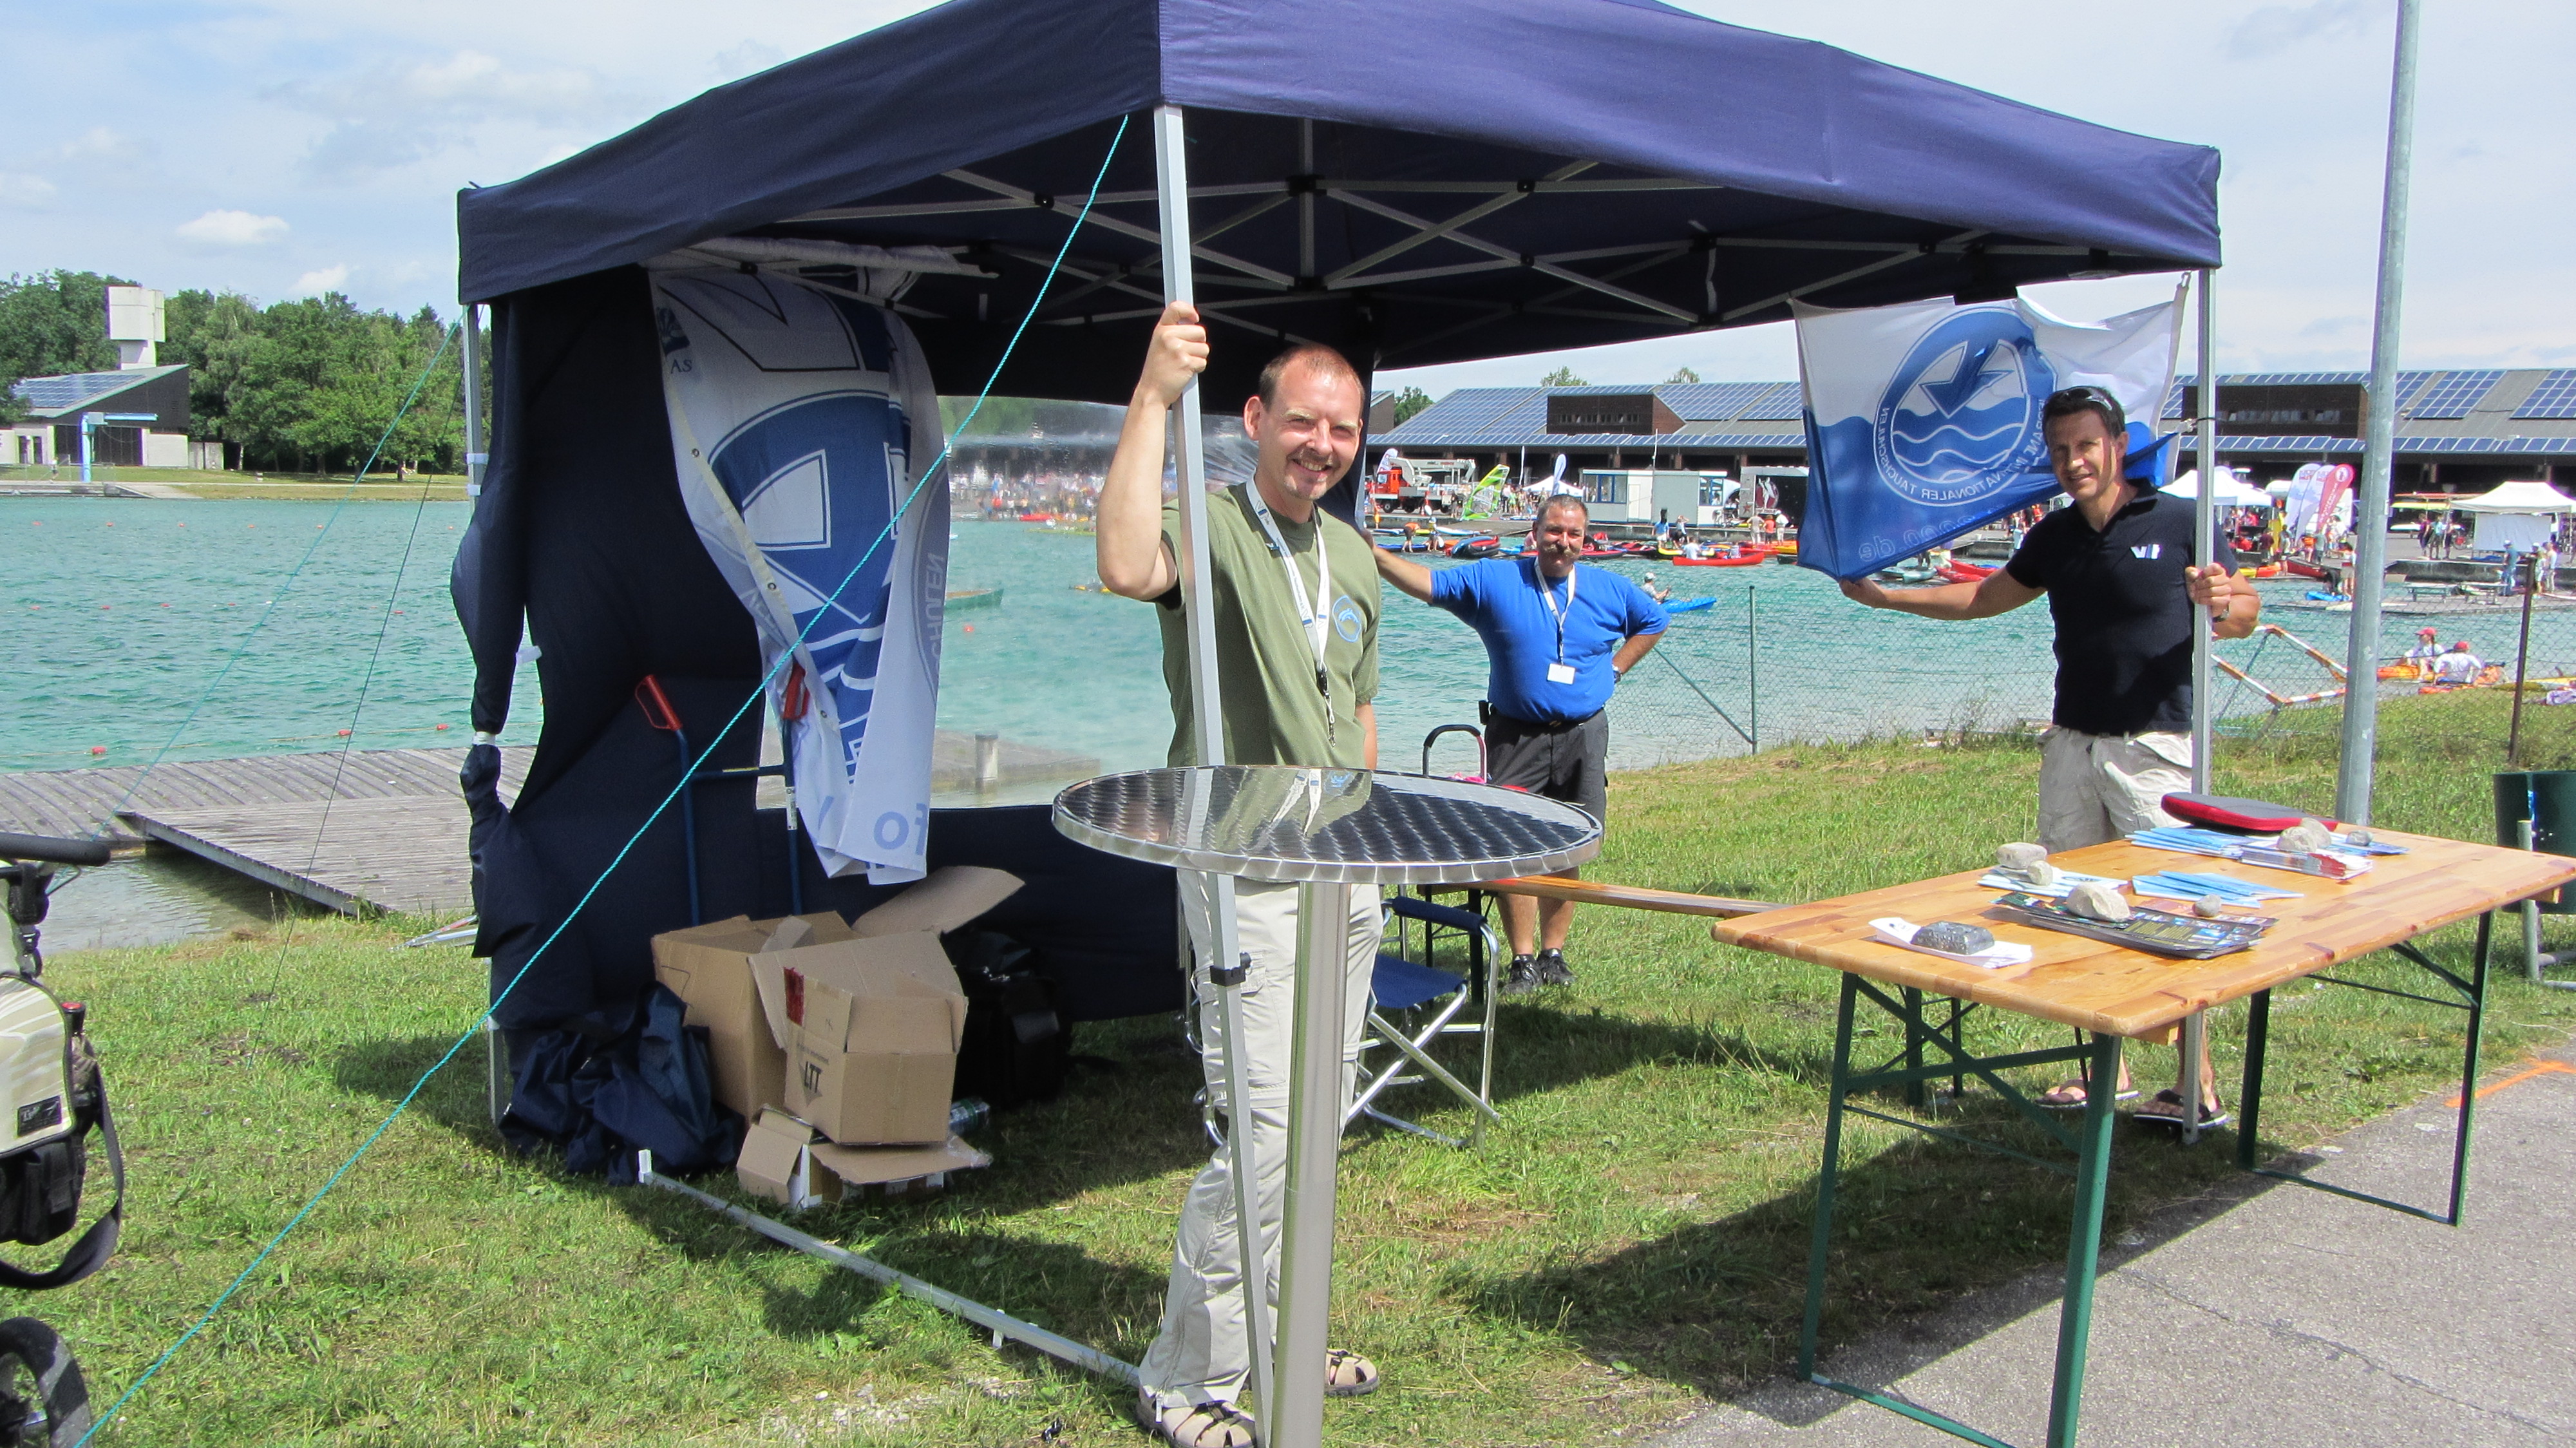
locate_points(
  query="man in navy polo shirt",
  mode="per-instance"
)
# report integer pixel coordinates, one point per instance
(2123, 593)
(1558, 636)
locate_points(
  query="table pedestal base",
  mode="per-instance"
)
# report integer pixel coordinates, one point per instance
(1296, 1419)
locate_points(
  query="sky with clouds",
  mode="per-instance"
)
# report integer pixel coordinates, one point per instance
(285, 147)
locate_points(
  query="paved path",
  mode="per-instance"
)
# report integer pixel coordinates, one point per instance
(2282, 1318)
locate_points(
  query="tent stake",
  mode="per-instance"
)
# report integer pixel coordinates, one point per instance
(2370, 510)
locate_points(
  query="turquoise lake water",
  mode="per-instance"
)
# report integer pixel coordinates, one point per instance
(127, 610)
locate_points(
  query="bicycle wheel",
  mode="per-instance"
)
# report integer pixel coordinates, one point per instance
(43, 1402)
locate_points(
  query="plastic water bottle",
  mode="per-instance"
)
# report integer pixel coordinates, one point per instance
(967, 1115)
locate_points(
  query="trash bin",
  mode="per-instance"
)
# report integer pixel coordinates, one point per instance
(2546, 798)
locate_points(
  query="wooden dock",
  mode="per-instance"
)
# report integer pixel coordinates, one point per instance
(382, 829)
(378, 829)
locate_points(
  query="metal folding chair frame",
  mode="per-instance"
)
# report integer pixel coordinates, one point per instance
(1413, 1046)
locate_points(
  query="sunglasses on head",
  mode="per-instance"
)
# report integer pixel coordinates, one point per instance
(2083, 394)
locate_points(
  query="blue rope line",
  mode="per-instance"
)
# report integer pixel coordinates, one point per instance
(785, 656)
(242, 645)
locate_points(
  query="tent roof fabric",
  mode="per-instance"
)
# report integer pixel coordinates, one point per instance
(2519, 498)
(1637, 171)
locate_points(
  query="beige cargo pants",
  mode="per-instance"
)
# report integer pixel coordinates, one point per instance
(2095, 788)
(1201, 1354)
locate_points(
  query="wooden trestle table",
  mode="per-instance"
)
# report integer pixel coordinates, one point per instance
(2119, 994)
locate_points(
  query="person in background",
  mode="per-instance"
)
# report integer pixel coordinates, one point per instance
(2457, 665)
(1559, 634)
(1656, 591)
(1296, 604)
(2126, 599)
(2428, 647)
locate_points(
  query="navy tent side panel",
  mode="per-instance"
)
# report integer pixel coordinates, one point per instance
(581, 532)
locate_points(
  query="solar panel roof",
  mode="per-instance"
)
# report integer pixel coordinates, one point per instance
(1785, 402)
(53, 394)
(2455, 394)
(1711, 401)
(2554, 397)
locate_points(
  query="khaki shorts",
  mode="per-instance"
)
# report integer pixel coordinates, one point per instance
(2095, 788)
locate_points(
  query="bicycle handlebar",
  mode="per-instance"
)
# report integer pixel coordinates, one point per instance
(52, 849)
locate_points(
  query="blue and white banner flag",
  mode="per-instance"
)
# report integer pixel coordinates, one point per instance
(1923, 419)
(798, 415)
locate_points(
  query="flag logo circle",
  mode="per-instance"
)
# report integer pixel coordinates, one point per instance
(1959, 421)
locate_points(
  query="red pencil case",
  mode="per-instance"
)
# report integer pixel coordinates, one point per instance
(2229, 812)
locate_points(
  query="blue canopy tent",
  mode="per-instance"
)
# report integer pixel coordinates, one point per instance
(1412, 181)
(1544, 174)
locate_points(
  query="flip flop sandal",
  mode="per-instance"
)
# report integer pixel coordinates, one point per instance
(1348, 1375)
(2171, 1114)
(2073, 1096)
(1197, 1425)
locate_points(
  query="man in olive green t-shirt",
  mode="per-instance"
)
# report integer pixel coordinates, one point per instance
(1292, 694)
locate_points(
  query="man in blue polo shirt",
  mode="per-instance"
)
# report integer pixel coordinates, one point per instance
(1558, 636)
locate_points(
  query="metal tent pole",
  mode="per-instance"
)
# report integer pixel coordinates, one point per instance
(1198, 612)
(2204, 529)
(2370, 509)
(478, 444)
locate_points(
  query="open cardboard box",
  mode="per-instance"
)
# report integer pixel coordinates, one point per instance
(870, 1031)
(852, 1026)
(790, 1162)
(709, 967)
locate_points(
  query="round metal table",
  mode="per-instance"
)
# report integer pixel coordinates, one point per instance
(1327, 830)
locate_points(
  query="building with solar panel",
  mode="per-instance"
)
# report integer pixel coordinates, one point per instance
(48, 432)
(2458, 431)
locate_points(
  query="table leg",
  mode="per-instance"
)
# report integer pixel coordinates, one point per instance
(2195, 1039)
(2084, 1250)
(1296, 1419)
(2469, 1066)
(1825, 1183)
(1915, 1095)
(2249, 1097)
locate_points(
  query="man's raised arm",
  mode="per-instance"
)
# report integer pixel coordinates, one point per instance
(1129, 546)
(1409, 577)
(1998, 592)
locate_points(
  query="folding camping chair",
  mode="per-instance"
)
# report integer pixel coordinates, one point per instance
(1404, 988)
(1401, 991)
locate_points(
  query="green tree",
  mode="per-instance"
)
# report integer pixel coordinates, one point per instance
(1409, 402)
(213, 333)
(51, 323)
(1562, 377)
(1680, 376)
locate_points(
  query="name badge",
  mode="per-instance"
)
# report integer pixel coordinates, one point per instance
(1560, 673)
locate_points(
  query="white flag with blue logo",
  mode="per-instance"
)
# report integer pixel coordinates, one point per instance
(797, 418)
(1923, 419)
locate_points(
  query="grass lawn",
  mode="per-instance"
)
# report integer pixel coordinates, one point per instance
(1631, 1242)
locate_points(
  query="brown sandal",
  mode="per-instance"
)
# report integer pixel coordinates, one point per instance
(1348, 1375)
(1197, 1425)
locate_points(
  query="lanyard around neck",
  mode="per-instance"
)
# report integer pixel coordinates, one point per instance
(1315, 615)
(1547, 595)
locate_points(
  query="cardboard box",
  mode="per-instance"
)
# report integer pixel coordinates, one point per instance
(940, 901)
(870, 1031)
(788, 1161)
(709, 966)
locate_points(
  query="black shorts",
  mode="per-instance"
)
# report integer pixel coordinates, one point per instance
(1559, 761)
